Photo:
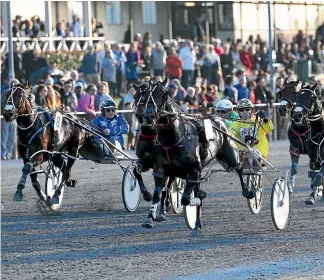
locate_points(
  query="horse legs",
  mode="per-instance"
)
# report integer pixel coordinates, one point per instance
(159, 183)
(66, 173)
(317, 181)
(18, 196)
(165, 199)
(137, 173)
(293, 172)
(245, 192)
(185, 200)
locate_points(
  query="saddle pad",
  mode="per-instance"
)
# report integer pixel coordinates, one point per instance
(209, 129)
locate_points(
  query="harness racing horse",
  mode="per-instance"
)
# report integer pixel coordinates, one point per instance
(35, 132)
(309, 108)
(298, 134)
(180, 149)
(144, 147)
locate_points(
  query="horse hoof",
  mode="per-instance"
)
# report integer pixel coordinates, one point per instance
(168, 207)
(55, 199)
(310, 201)
(201, 194)
(148, 223)
(71, 183)
(161, 218)
(185, 201)
(147, 196)
(18, 196)
(195, 233)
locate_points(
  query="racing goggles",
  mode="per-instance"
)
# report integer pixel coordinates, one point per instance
(221, 111)
(244, 109)
(108, 110)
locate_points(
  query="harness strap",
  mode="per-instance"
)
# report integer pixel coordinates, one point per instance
(299, 135)
(33, 137)
(166, 149)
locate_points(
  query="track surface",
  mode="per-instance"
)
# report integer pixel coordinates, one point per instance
(93, 237)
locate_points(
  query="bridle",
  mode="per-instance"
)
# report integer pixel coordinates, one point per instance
(309, 111)
(17, 111)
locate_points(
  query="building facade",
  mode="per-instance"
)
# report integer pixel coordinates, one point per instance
(222, 19)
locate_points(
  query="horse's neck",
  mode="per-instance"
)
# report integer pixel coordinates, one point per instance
(172, 133)
(317, 126)
(28, 119)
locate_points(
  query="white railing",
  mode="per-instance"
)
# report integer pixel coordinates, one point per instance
(55, 44)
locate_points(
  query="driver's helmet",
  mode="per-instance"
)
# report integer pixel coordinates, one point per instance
(244, 109)
(224, 106)
(108, 103)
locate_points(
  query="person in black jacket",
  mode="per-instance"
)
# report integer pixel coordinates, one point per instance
(262, 93)
(227, 61)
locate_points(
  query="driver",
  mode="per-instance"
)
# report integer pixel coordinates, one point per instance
(224, 110)
(248, 129)
(113, 126)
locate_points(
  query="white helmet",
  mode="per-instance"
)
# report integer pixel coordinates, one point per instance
(224, 105)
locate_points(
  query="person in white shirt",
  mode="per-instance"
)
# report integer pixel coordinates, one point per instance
(188, 56)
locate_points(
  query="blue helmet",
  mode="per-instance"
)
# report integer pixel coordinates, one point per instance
(108, 103)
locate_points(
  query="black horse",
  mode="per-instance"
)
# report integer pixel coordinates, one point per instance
(298, 133)
(181, 149)
(309, 108)
(35, 133)
(144, 148)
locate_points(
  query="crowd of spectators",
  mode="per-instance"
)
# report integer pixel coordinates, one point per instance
(200, 74)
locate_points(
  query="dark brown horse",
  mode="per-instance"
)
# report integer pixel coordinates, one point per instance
(35, 131)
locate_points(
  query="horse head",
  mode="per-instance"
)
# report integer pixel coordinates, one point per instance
(308, 106)
(150, 98)
(16, 102)
(287, 95)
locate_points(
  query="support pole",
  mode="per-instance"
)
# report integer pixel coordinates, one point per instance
(48, 24)
(131, 21)
(170, 20)
(87, 20)
(270, 45)
(11, 70)
(207, 24)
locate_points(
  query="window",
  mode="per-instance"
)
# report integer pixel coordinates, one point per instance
(149, 12)
(113, 12)
(225, 16)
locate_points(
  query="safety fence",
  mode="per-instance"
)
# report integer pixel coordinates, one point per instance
(279, 132)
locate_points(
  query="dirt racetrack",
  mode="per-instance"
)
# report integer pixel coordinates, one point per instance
(93, 237)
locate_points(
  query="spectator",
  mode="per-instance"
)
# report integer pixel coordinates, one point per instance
(53, 98)
(206, 63)
(8, 131)
(120, 69)
(251, 88)
(40, 95)
(320, 33)
(87, 101)
(39, 68)
(17, 63)
(243, 91)
(181, 92)
(211, 95)
(147, 42)
(133, 59)
(262, 94)
(215, 69)
(174, 65)
(230, 92)
(101, 95)
(218, 47)
(278, 86)
(128, 98)
(89, 67)
(188, 56)
(246, 60)
(77, 29)
(109, 68)
(173, 91)
(191, 98)
(79, 89)
(227, 61)
(146, 57)
(68, 98)
(158, 59)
